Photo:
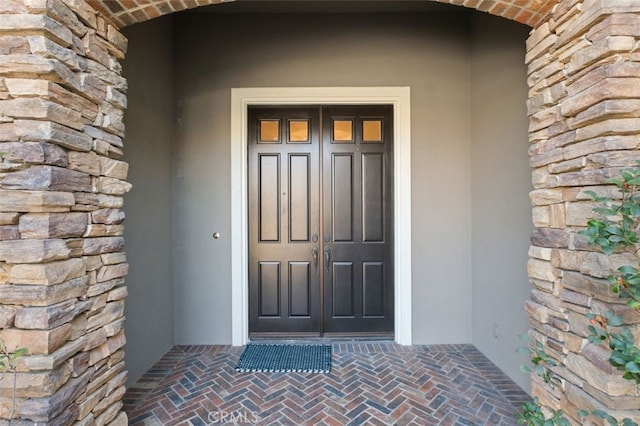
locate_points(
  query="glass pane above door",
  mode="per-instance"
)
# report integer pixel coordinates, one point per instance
(343, 130)
(298, 130)
(372, 130)
(269, 131)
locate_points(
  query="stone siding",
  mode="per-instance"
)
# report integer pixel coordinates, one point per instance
(584, 106)
(62, 181)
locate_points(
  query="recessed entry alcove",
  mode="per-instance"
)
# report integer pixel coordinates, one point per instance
(461, 142)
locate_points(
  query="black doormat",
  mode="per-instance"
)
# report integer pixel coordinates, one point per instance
(285, 358)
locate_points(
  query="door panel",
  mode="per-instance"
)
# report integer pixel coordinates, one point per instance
(299, 198)
(358, 210)
(373, 299)
(342, 200)
(320, 220)
(269, 201)
(342, 277)
(284, 284)
(372, 197)
(269, 282)
(299, 289)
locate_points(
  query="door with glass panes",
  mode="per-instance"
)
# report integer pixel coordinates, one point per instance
(320, 220)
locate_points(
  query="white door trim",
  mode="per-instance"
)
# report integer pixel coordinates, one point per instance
(400, 98)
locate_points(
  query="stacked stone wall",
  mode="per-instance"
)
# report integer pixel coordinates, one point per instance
(62, 181)
(584, 106)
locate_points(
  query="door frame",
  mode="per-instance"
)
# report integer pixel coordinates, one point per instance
(400, 98)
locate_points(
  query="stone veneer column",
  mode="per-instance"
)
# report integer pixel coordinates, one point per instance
(584, 105)
(62, 181)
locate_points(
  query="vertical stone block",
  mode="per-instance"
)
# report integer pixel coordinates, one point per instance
(557, 216)
(7, 315)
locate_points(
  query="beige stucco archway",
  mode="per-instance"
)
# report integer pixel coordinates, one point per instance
(62, 264)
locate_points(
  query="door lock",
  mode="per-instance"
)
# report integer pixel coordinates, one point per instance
(314, 253)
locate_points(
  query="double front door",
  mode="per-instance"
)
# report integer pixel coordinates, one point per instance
(321, 220)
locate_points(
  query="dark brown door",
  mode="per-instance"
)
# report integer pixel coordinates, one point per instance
(358, 219)
(320, 220)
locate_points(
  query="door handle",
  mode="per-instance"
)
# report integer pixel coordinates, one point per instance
(327, 258)
(314, 253)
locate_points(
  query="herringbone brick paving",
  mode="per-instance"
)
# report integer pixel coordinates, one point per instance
(370, 383)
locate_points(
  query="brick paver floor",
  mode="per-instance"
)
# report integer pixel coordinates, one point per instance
(375, 383)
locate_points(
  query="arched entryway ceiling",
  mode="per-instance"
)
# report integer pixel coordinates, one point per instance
(128, 12)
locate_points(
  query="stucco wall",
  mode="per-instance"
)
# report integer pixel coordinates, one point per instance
(428, 53)
(149, 120)
(501, 218)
